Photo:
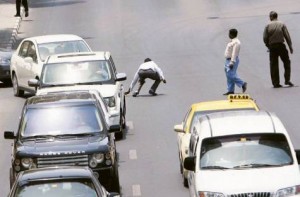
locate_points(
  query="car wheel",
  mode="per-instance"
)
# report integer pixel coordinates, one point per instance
(7, 82)
(16, 89)
(116, 183)
(11, 178)
(185, 181)
(124, 115)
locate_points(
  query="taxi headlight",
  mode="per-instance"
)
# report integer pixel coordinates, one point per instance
(26, 162)
(110, 101)
(210, 194)
(289, 191)
(99, 157)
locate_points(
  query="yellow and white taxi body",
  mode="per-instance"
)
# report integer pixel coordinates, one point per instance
(233, 102)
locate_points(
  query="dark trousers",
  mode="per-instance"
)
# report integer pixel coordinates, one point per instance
(18, 6)
(149, 74)
(279, 50)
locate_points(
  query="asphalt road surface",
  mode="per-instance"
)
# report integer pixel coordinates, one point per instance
(187, 40)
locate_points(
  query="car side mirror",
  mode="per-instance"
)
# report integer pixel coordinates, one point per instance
(179, 128)
(190, 163)
(298, 155)
(28, 59)
(33, 83)
(114, 128)
(9, 135)
(121, 77)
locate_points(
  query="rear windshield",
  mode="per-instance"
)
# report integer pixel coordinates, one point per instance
(247, 151)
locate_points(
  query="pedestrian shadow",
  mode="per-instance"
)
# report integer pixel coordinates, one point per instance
(149, 95)
(42, 4)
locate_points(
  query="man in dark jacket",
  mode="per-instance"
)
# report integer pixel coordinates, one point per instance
(18, 7)
(275, 34)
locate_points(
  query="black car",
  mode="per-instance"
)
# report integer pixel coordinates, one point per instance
(5, 57)
(65, 129)
(58, 182)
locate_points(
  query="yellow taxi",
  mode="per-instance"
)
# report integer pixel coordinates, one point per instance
(234, 102)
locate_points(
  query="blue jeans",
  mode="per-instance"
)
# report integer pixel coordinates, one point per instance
(232, 76)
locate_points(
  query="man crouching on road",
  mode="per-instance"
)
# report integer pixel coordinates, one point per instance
(147, 70)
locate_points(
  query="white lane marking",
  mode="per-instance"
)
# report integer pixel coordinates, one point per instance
(132, 154)
(136, 190)
(129, 125)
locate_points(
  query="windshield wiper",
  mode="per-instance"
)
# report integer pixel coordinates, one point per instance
(37, 137)
(214, 167)
(89, 83)
(256, 165)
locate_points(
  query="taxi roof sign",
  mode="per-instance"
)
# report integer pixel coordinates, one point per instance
(239, 97)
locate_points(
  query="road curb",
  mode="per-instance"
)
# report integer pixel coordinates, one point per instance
(15, 31)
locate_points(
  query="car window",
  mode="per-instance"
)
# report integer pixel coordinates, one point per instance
(61, 120)
(24, 49)
(57, 188)
(247, 151)
(32, 52)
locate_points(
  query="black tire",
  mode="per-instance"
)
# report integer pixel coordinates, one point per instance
(7, 82)
(119, 135)
(16, 89)
(116, 183)
(124, 115)
(185, 182)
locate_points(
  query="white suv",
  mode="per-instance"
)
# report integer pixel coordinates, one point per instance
(85, 71)
(27, 61)
(242, 153)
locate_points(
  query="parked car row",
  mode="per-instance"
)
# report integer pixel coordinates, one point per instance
(66, 134)
(233, 148)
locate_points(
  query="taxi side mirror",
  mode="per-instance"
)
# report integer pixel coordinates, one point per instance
(298, 155)
(33, 83)
(9, 135)
(190, 163)
(121, 77)
(179, 128)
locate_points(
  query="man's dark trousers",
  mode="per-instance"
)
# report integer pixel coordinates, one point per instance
(18, 6)
(279, 50)
(144, 74)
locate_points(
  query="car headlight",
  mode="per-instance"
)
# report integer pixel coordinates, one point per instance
(110, 101)
(210, 194)
(289, 191)
(27, 162)
(4, 61)
(95, 159)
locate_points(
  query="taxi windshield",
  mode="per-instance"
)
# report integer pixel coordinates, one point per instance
(61, 120)
(57, 188)
(247, 151)
(86, 72)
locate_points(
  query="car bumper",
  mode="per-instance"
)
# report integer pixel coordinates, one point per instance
(4, 72)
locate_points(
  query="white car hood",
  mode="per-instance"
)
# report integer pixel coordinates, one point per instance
(106, 90)
(248, 180)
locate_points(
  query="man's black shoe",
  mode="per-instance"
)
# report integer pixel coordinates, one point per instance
(289, 83)
(227, 93)
(17, 15)
(135, 94)
(277, 86)
(152, 93)
(244, 87)
(26, 14)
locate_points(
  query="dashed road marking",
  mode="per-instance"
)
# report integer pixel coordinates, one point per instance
(132, 154)
(136, 190)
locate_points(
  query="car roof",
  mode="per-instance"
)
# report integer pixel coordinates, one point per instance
(77, 57)
(62, 97)
(55, 173)
(239, 122)
(234, 101)
(54, 38)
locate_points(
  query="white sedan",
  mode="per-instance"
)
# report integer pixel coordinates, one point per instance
(27, 61)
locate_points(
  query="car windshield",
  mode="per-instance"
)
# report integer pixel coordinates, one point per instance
(57, 188)
(61, 120)
(53, 48)
(87, 72)
(247, 151)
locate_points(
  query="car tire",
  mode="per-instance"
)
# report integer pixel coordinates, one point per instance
(7, 82)
(124, 115)
(16, 89)
(11, 178)
(185, 182)
(116, 183)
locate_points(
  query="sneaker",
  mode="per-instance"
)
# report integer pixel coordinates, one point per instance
(152, 93)
(227, 93)
(26, 14)
(289, 83)
(277, 86)
(135, 94)
(244, 87)
(17, 15)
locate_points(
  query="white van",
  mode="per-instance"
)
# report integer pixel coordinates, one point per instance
(242, 154)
